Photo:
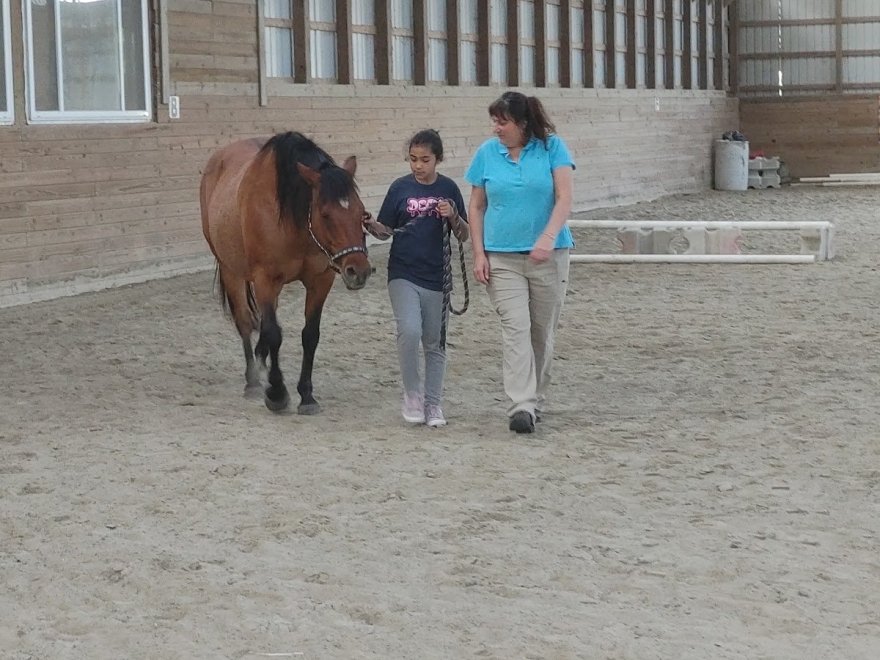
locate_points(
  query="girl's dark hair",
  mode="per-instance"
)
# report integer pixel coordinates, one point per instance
(525, 110)
(428, 138)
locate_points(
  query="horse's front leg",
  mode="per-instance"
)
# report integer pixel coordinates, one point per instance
(266, 293)
(316, 294)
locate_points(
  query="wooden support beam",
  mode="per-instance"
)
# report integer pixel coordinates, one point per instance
(703, 46)
(669, 38)
(420, 42)
(610, 46)
(540, 43)
(344, 63)
(651, 45)
(383, 42)
(301, 46)
(565, 43)
(484, 38)
(513, 43)
(453, 43)
(631, 46)
(718, 38)
(687, 50)
(589, 53)
(733, 49)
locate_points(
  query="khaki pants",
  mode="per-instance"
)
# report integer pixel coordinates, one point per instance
(528, 298)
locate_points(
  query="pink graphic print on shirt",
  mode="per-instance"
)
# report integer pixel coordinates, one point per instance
(426, 206)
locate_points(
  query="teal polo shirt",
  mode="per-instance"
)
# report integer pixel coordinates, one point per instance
(519, 195)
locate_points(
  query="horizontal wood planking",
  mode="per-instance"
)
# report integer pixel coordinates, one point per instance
(82, 206)
(816, 137)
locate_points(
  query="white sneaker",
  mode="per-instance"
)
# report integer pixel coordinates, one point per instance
(413, 408)
(434, 415)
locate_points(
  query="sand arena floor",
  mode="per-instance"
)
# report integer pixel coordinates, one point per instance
(706, 483)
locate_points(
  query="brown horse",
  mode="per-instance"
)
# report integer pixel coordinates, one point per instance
(275, 211)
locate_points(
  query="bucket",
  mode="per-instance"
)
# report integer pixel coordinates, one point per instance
(731, 165)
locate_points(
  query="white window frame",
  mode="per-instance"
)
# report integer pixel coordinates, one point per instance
(86, 116)
(7, 116)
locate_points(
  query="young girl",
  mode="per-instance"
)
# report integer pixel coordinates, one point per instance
(415, 210)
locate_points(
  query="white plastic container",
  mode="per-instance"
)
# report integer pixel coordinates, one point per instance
(731, 165)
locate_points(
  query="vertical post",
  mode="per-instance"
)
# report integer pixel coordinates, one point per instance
(631, 45)
(610, 45)
(484, 39)
(453, 43)
(345, 66)
(703, 42)
(838, 46)
(718, 55)
(420, 42)
(687, 50)
(733, 48)
(589, 53)
(164, 54)
(383, 42)
(540, 43)
(513, 42)
(669, 38)
(301, 48)
(565, 43)
(651, 45)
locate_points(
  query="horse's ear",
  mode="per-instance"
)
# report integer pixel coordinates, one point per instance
(350, 165)
(311, 176)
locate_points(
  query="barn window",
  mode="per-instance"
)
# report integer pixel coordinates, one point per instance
(402, 40)
(87, 60)
(498, 41)
(436, 41)
(322, 34)
(363, 39)
(279, 38)
(468, 39)
(5, 66)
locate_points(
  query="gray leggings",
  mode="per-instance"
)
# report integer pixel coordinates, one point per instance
(419, 314)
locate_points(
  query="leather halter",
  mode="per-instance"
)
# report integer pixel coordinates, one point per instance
(332, 258)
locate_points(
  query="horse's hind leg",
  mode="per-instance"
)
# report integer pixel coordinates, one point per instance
(266, 293)
(242, 307)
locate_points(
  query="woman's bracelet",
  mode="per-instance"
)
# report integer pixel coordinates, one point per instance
(548, 234)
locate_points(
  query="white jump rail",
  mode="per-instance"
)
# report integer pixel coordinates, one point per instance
(823, 228)
(694, 258)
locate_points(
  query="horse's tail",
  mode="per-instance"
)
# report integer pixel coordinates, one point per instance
(227, 301)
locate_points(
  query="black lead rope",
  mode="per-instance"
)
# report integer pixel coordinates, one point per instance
(447, 282)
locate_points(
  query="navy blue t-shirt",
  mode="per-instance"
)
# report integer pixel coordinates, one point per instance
(417, 251)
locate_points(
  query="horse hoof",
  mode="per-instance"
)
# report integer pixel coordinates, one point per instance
(308, 409)
(253, 391)
(279, 405)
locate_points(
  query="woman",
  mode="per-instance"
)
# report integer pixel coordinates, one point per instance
(519, 204)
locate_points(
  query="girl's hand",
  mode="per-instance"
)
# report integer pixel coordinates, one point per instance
(376, 228)
(481, 268)
(447, 209)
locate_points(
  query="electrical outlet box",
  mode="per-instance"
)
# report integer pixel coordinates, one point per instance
(174, 107)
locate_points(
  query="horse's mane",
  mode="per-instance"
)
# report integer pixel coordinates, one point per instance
(294, 193)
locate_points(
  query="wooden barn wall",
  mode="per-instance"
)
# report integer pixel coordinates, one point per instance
(817, 136)
(86, 207)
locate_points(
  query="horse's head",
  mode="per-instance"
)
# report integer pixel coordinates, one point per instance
(336, 220)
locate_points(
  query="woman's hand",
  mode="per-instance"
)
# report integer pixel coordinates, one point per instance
(481, 268)
(543, 248)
